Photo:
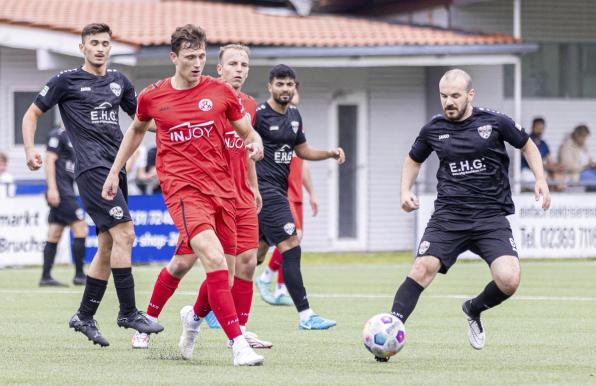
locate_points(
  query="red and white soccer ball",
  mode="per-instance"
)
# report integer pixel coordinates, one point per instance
(384, 335)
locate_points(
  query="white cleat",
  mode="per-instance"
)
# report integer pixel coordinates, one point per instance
(140, 340)
(476, 335)
(190, 331)
(253, 341)
(246, 356)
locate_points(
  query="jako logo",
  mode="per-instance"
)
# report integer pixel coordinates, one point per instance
(462, 168)
(233, 140)
(187, 131)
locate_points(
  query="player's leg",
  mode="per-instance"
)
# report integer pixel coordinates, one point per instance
(49, 255)
(79, 231)
(263, 282)
(498, 249)
(95, 287)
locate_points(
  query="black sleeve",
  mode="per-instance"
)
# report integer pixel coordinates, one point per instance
(421, 149)
(129, 97)
(53, 143)
(512, 132)
(51, 94)
(300, 137)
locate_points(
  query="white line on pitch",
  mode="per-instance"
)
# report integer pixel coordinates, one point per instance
(316, 295)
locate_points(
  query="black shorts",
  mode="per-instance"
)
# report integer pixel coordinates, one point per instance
(105, 214)
(66, 213)
(488, 242)
(276, 222)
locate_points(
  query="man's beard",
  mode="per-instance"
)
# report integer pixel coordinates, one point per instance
(281, 102)
(457, 117)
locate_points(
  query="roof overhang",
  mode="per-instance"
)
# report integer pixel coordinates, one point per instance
(384, 56)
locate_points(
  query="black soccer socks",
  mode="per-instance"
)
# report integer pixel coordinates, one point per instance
(78, 252)
(491, 296)
(125, 289)
(49, 254)
(94, 290)
(406, 298)
(293, 277)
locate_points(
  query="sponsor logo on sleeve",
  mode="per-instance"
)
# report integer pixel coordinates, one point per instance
(44, 90)
(116, 89)
(485, 131)
(205, 104)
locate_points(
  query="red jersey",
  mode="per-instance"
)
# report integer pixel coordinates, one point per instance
(238, 155)
(190, 134)
(295, 193)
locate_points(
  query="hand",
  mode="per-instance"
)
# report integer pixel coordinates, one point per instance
(34, 161)
(314, 205)
(541, 189)
(339, 155)
(110, 187)
(409, 201)
(53, 198)
(258, 200)
(255, 151)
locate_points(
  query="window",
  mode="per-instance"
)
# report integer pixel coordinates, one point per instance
(22, 100)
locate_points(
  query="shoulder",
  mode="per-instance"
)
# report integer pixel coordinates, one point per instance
(262, 107)
(154, 88)
(117, 75)
(293, 111)
(495, 115)
(64, 76)
(435, 121)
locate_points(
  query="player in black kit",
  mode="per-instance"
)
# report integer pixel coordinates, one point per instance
(473, 199)
(89, 99)
(280, 126)
(64, 208)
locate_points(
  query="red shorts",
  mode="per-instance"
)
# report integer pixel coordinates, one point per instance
(297, 213)
(194, 212)
(247, 229)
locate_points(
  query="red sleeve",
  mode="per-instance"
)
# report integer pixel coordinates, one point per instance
(143, 107)
(251, 108)
(234, 110)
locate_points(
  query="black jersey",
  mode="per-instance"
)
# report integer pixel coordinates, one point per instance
(280, 133)
(59, 143)
(89, 107)
(473, 179)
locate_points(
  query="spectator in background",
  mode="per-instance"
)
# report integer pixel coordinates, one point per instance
(136, 172)
(551, 167)
(153, 186)
(575, 156)
(7, 186)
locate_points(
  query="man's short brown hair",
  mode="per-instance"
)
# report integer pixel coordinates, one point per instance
(3, 158)
(188, 36)
(95, 28)
(227, 47)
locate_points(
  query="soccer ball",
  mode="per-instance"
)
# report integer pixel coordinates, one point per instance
(384, 335)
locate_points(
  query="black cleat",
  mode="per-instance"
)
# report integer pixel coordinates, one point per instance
(382, 359)
(88, 327)
(50, 282)
(79, 280)
(140, 322)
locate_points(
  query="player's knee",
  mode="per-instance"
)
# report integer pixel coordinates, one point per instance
(422, 272)
(508, 284)
(124, 236)
(179, 267)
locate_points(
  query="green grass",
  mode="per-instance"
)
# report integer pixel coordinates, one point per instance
(546, 334)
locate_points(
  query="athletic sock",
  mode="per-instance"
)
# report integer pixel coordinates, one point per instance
(406, 298)
(78, 252)
(202, 307)
(242, 293)
(164, 288)
(490, 297)
(49, 254)
(125, 289)
(306, 314)
(94, 291)
(267, 275)
(293, 276)
(275, 261)
(222, 304)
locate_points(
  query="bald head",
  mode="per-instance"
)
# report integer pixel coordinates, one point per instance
(455, 88)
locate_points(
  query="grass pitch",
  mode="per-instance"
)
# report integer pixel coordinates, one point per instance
(545, 334)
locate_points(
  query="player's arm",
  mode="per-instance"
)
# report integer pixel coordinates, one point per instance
(29, 125)
(307, 183)
(50, 171)
(254, 184)
(132, 139)
(532, 155)
(252, 139)
(409, 173)
(305, 151)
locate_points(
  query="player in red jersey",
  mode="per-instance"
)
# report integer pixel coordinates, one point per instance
(191, 112)
(233, 69)
(299, 177)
